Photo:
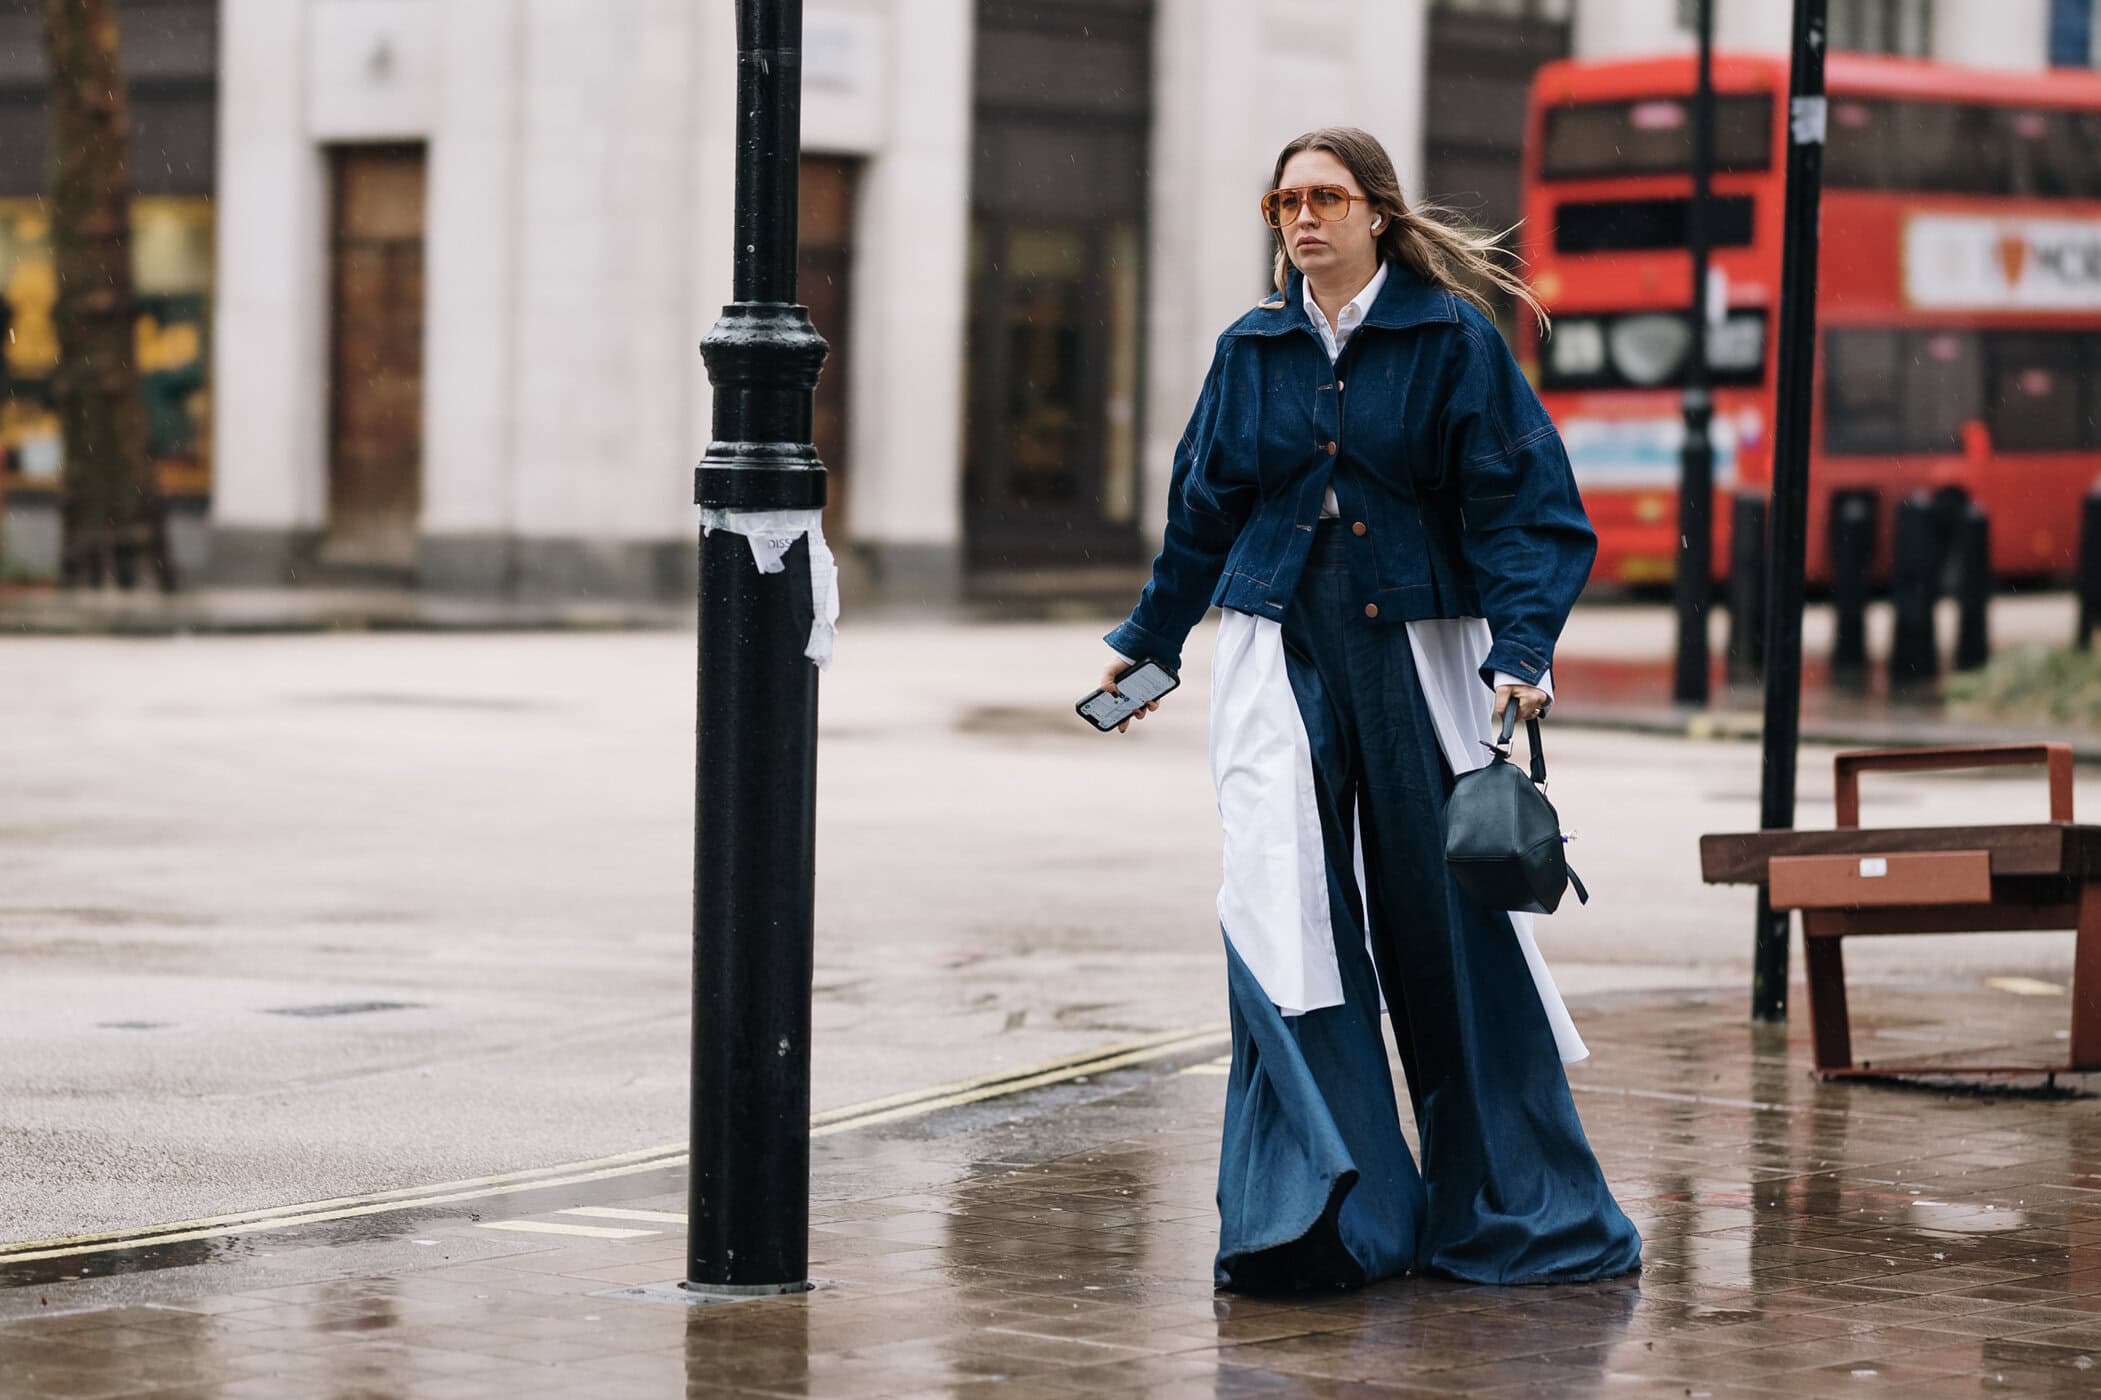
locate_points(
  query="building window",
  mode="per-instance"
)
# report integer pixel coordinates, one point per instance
(2074, 42)
(1883, 26)
(1557, 10)
(1057, 279)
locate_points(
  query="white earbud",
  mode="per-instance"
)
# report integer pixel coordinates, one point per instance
(1377, 224)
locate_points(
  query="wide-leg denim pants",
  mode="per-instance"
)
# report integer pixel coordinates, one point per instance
(1316, 1185)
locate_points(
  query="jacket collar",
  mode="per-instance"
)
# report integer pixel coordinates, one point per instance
(1406, 300)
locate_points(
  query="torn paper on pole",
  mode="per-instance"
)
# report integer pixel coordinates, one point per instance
(771, 533)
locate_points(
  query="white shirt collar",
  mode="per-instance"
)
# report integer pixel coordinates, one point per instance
(1353, 310)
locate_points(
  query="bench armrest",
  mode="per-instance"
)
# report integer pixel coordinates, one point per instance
(1848, 767)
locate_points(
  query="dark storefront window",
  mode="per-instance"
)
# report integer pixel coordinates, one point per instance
(1912, 391)
(170, 56)
(1056, 281)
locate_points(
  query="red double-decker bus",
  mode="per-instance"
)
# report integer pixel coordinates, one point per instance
(1959, 294)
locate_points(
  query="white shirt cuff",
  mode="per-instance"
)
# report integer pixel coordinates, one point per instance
(1545, 682)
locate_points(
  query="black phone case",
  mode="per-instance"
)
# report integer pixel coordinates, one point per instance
(1080, 707)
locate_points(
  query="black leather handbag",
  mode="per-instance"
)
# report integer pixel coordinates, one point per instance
(1502, 838)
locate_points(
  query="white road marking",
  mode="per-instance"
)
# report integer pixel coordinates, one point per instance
(555, 1227)
(653, 1217)
(2024, 986)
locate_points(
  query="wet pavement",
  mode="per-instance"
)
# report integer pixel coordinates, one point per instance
(1803, 1239)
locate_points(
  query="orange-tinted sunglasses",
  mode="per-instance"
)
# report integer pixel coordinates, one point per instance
(1328, 203)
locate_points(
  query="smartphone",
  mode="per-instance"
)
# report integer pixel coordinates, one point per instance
(1136, 688)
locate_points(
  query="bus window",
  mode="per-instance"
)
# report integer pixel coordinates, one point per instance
(1943, 388)
(1943, 148)
(1902, 391)
(2036, 392)
(1897, 391)
(1648, 350)
(1951, 148)
(2054, 154)
(1863, 391)
(1653, 136)
(1859, 146)
(1630, 225)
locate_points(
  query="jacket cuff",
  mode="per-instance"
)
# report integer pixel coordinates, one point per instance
(1135, 643)
(1522, 664)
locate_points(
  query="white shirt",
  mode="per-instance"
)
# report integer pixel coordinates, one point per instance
(1273, 891)
(1335, 337)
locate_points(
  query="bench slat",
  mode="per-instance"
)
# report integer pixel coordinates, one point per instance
(2040, 848)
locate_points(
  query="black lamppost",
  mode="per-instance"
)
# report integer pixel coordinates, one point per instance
(1789, 529)
(755, 819)
(1695, 575)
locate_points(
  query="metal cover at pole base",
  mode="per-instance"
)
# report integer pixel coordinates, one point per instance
(684, 1295)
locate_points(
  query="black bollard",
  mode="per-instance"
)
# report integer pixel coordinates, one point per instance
(1973, 643)
(1747, 588)
(1852, 564)
(1914, 656)
(2089, 580)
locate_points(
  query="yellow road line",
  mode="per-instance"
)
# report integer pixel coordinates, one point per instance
(530, 1176)
(871, 1113)
(556, 1227)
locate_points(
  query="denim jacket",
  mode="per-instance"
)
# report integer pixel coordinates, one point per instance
(1453, 481)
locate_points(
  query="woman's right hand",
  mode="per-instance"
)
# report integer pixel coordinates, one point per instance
(1117, 666)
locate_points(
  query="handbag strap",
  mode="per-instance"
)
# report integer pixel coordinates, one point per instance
(1539, 754)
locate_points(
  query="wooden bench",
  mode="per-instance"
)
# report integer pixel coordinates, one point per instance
(1854, 882)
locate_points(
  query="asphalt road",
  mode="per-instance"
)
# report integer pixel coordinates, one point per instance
(283, 919)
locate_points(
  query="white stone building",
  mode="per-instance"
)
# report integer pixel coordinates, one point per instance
(466, 250)
(542, 187)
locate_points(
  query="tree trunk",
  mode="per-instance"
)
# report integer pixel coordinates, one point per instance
(114, 520)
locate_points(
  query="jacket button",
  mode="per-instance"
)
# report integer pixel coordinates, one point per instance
(1371, 609)
(1331, 449)
(1358, 528)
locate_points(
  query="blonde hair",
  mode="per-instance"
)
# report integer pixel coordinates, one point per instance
(1426, 240)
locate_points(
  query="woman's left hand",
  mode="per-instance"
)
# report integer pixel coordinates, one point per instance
(1531, 701)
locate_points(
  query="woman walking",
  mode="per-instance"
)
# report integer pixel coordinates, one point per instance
(1374, 497)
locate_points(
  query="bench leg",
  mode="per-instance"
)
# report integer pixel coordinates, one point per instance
(1831, 1029)
(2086, 981)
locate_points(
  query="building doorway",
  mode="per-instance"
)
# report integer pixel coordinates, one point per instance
(824, 281)
(1058, 196)
(375, 358)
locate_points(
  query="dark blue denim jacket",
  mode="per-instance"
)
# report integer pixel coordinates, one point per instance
(1456, 487)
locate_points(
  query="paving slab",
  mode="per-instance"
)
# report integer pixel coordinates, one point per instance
(1802, 1239)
